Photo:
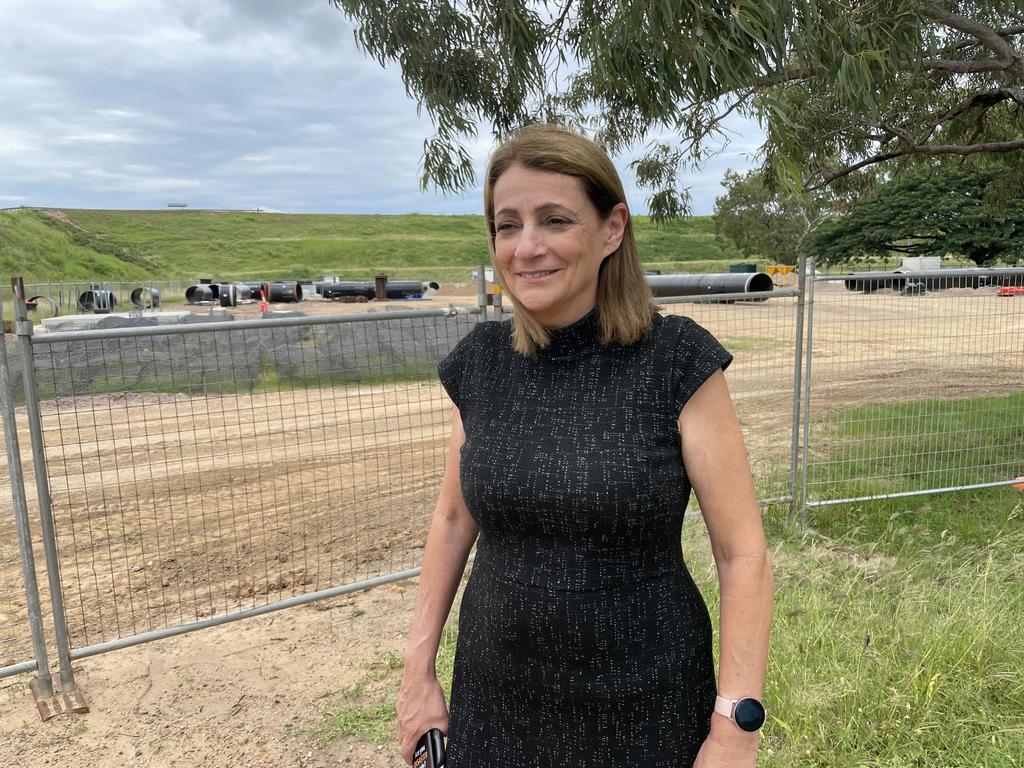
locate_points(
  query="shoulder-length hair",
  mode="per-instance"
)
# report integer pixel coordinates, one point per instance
(625, 304)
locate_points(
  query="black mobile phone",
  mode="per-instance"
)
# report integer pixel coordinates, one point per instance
(429, 750)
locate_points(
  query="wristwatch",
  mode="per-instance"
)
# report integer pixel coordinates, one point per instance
(747, 713)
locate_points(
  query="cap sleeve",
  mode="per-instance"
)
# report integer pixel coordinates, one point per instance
(697, 355)
(452, 370)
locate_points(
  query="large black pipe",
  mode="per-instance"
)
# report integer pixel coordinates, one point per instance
(231, 294)
(196, 294)
(909, 282)
(254, 288)
(33, 304)
(97, 300)
(346, 288)
(282, 292)
(396, 289)
(146, 298)
(702, 285)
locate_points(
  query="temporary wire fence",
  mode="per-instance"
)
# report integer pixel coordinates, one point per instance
(15, 641)
(48, 299)
(761, 334)
(204, 472)
(201, 474)
(917, 384)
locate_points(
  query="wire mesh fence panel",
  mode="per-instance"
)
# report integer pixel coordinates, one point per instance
(761, 335)
(15, 634)
(916, 385)
(200, 474)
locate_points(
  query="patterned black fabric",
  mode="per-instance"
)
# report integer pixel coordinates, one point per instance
(583, 640)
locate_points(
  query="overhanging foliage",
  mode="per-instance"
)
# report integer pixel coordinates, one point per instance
(837, 86)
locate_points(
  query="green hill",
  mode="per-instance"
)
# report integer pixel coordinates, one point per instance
(75, 244)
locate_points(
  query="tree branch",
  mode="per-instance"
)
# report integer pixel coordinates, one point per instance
(920, 149)
(987, 36)
(557, 24)
(788, 76)
(968, 67)
(984, 100)
(1002, 32)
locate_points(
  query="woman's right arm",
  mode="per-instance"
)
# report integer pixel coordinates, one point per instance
(452, 535)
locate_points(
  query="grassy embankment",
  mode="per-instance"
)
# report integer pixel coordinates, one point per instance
(896, 638)
(131, 245)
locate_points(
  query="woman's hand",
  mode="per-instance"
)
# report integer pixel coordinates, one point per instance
(420, 707)
(727, 747)
(714, 755)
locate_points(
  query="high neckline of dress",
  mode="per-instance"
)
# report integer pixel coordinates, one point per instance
(573, 339)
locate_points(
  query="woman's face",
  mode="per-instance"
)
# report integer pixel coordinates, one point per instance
(550, 241)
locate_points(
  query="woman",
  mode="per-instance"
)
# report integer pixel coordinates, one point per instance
(579, 428)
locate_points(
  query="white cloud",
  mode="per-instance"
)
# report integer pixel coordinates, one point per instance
(118, 103)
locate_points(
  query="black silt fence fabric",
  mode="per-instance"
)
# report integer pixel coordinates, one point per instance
(229, 362)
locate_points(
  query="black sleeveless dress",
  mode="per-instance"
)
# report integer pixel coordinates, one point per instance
(583, 640)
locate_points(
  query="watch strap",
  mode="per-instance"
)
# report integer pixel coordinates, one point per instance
(724, 706)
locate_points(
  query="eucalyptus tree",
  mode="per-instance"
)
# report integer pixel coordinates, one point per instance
(766, 222)
(837, 86)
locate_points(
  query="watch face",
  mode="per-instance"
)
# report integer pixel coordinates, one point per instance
(749, 714)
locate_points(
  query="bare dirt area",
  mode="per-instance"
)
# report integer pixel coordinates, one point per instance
(248, 695)
(170, 510)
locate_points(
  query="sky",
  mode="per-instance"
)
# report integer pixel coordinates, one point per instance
(228, 104)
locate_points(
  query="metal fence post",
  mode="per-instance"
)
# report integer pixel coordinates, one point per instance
(23, 330)
(797, 379)
(497, 304)
(481, 291)
(28, 564)
(807, 397)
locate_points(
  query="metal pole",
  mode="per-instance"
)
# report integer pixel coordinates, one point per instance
(28, 563)
(794, 438)
(807, 397)
(23, 330)
(481, 291)
(497, 304)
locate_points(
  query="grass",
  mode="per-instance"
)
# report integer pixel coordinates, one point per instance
(366, 710)
(924, 443)
(743, 343)
(133, 245)
(105, 245)
(896, 640)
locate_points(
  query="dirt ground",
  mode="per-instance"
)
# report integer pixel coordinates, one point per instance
(251, 694)
(162, 521)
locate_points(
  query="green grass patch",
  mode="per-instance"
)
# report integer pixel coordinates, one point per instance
(106, 245)
(366, 711)
(743, 343)
(896, 639)
(877, 449)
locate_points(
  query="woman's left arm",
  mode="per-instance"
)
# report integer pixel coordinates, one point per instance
(716, 462)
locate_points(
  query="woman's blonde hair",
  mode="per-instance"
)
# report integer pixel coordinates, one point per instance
(625, 303)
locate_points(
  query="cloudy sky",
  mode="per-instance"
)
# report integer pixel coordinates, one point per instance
(222, 104)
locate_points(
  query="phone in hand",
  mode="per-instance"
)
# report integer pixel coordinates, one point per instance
(429, 750)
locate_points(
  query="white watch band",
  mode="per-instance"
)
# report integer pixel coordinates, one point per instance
(724, 706)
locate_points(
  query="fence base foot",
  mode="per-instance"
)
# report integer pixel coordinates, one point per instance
(60, 703)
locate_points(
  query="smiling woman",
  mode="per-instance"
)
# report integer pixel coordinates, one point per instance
(562, 239)
(579, 429)
(550, 242)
